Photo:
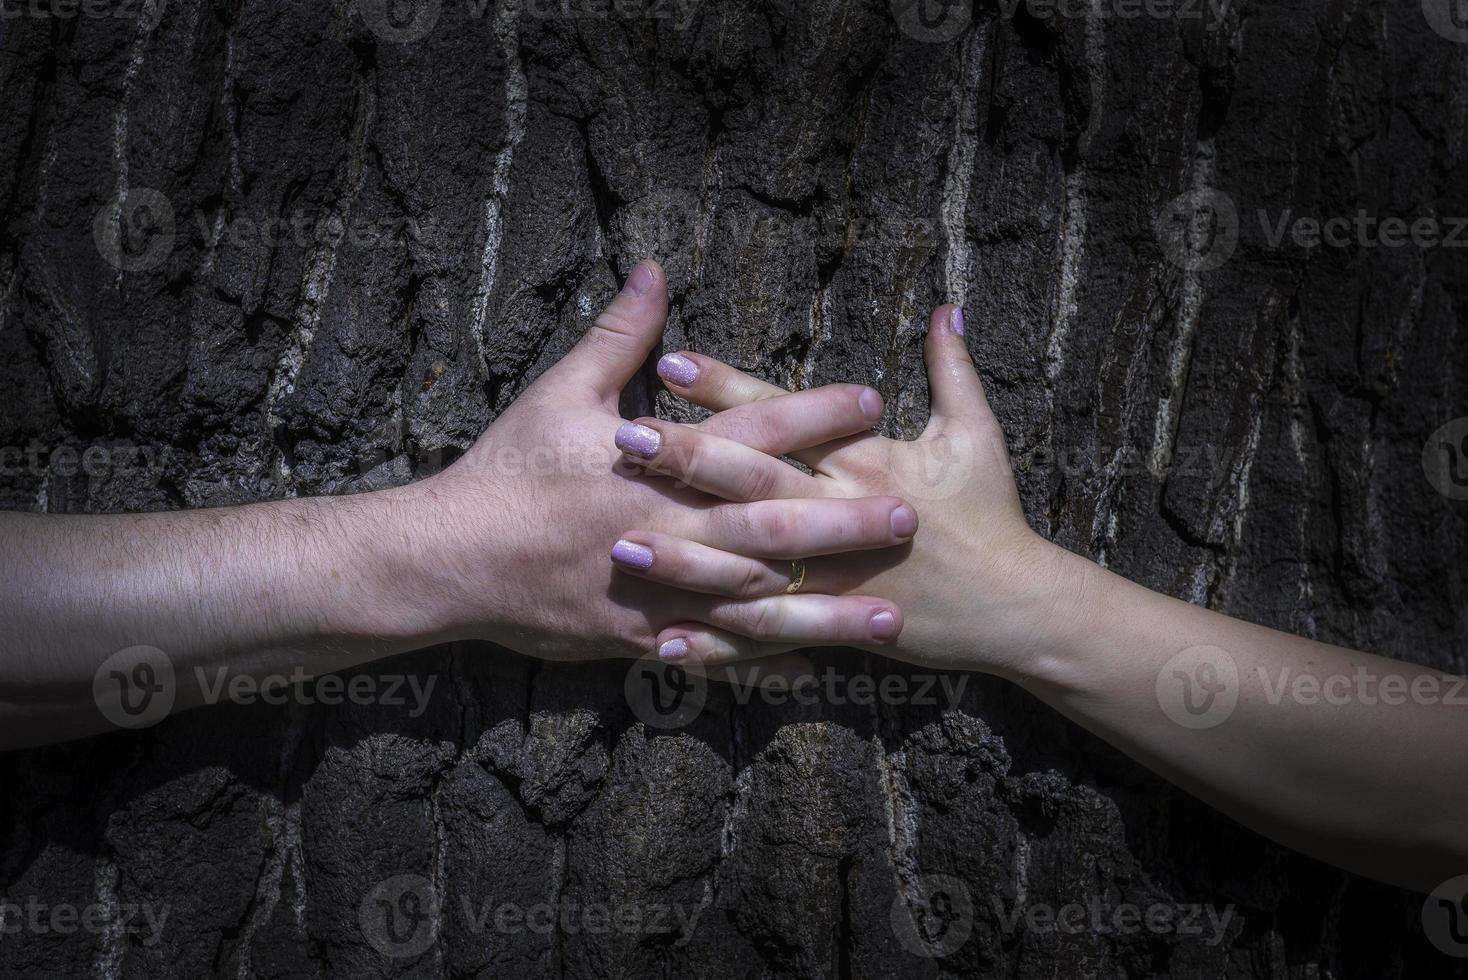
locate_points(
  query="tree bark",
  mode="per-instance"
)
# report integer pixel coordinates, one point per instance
(815, 177)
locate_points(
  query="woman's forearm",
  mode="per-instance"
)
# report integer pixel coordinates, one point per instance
(1320, 748)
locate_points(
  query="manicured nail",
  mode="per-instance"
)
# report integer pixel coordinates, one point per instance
(640, 281)
(955, 320)
(677, 369)
(639, 440)
(675, 649)
(883, 626)
(871, 405)
(632, 555)
(904, 522)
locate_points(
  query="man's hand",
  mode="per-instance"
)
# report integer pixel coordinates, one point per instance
(510, 544)
(528, 517)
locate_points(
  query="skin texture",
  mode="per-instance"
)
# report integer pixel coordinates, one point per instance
(509, 544)
(1341, 765)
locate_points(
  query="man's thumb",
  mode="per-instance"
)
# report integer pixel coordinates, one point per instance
(623, 336)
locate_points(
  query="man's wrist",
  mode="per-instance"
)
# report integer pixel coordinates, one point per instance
(395, 576)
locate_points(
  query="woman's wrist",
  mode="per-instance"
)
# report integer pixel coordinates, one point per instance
(1089, 613)
(1044, 622)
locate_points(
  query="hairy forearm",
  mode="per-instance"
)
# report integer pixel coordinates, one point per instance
(317, 584)
(1326, 750)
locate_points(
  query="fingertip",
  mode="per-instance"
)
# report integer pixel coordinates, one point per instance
(646, 276)
(885, 625)
(632, 555)
(947, 323)
(639, 439)
(674, 649)
(870, 401)
(904, 521)
(678, 370)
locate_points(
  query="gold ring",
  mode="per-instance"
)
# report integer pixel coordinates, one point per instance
(797, 576)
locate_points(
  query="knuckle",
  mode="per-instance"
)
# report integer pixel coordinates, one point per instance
(759, 483)
(766, 620)
(875, 518)
(768, 427)
(777, 528)
(736, 523)
(742, 426)
(678, 454)
(752, 580)
(613, 332)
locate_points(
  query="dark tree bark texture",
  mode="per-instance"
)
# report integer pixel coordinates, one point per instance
(382, 233)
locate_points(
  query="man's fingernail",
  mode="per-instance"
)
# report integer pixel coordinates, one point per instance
(641, 280)
(677, 369)
(904, 522)
(871, 405)
(955, 320)
(883, 626)
(675, 649)
(632, 555)
(639, 440)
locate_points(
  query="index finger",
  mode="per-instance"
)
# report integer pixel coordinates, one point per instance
(711, 383)
(806, 425)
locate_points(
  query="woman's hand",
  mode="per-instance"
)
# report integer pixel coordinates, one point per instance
(527, 518)
(976, 577)
(1327, 765)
